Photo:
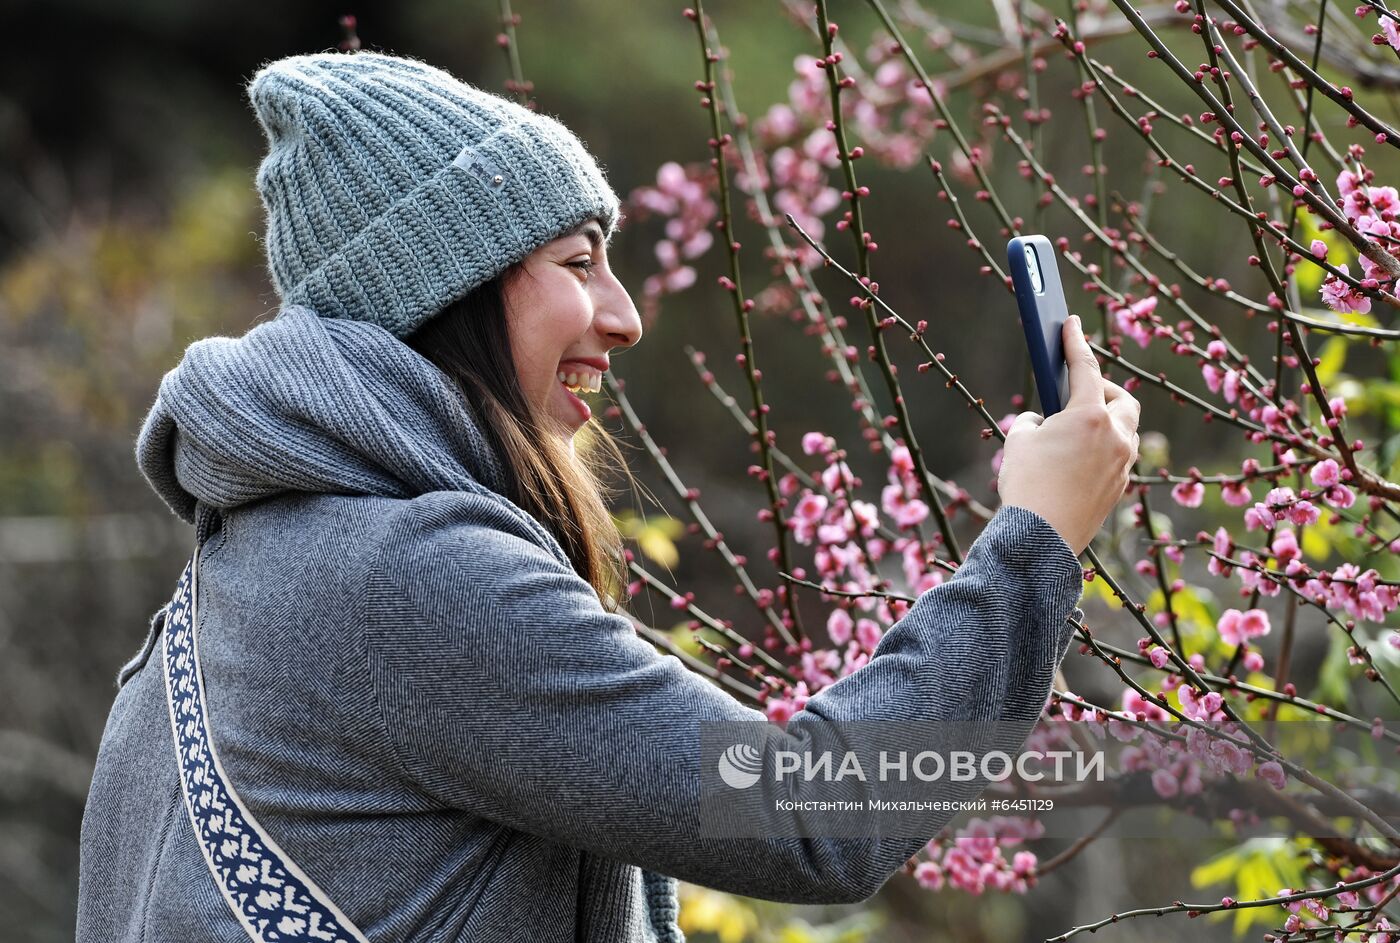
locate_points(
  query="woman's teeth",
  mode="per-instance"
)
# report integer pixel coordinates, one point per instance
(581, 382)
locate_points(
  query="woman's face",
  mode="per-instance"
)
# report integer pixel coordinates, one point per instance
(565, 312)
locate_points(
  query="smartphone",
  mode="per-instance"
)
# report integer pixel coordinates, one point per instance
(1041, 300)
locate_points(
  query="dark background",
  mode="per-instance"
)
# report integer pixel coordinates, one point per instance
(129, 228)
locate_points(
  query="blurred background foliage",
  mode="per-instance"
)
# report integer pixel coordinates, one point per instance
(129, 227)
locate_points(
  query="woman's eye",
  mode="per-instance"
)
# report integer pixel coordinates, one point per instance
(586, 265)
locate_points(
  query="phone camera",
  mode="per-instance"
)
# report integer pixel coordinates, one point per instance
(1033, 270)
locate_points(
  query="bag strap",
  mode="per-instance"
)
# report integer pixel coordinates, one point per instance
(272, 898)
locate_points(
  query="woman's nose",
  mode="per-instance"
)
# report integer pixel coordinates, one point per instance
(618, 317)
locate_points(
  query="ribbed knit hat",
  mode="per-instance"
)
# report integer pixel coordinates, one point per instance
(393, 188)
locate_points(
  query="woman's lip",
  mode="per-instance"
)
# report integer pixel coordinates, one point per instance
(580, 407)
(600, 364)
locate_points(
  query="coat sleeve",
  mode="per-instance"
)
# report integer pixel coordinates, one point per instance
(507, 690)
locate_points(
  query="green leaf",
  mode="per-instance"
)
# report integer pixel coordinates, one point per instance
(1256, 868)
(1334, 677)
(1197, 613)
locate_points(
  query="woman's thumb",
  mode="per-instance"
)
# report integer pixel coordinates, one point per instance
(1026, 420)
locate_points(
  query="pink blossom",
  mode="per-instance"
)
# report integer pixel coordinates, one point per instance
(901, 461)
(868, 633)
(855, 660)
(780, 710)
(910, 514)
(1253, 661)
(680, 195)
(1339, 496)
(1201, 707)
(1356, 204)
(1189, 493)
(1135, 704)
(1122, 731)
(1326, 473)
(807, 92)
(779, 124)
(1222, 544)
(1339, 296)
(1319, 909)
(1235, 493)
(679, 279)
(1165, 783)
(929, 874)
(820, 146)
(1135, 320)
(1236, 627)
(1319, 248)
(1385, 201)
(1357, 592)
(1392, 32)
(867, 516)
(907, 512)
(819, 667)
(814, 442)
(1285, 545)
(1304, 512)
(836, 477)
(807, 516)
(890, 74)
(1231, 385)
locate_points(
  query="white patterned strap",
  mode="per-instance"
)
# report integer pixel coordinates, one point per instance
(274, 901)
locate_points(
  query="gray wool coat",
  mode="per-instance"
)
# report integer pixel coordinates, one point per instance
(426, 706)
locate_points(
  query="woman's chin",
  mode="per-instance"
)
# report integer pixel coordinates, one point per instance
(565, 429)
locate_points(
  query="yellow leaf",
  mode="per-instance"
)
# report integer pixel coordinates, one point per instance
(1315, 543)
(1098, 589)
(1360, 318)
(703, 910)
(655, 545)
(1256, 868)
(655, 536)
(1310, 276)
(1332, 356)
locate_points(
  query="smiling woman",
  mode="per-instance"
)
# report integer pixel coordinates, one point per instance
(440, 327)
(514, 346)
(566, 310)
(412, 649)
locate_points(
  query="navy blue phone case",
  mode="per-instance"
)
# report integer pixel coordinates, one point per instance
(1041, 301)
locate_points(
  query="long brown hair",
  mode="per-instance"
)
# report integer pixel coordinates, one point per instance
(470, 342)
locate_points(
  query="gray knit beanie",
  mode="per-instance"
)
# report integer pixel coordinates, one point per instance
(393, 188)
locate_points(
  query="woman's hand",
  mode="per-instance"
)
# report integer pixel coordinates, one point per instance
(1072, 468)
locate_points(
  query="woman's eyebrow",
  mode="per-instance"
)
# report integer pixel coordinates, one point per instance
(593, 231)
